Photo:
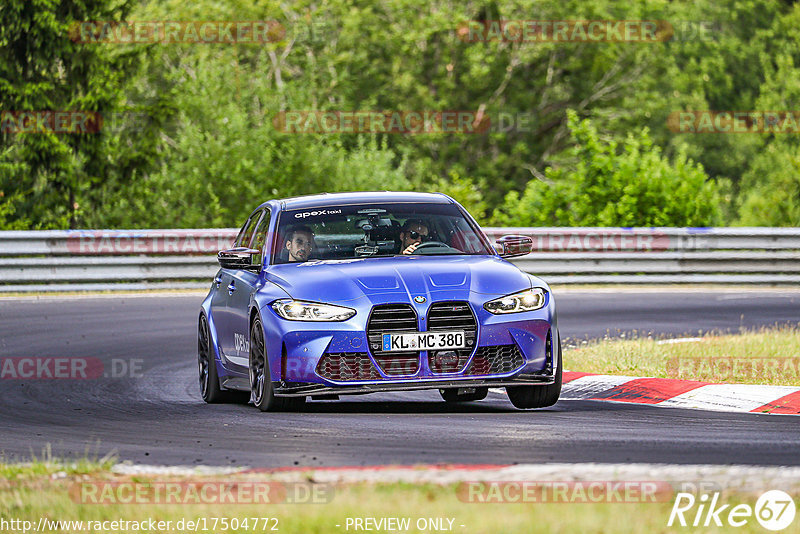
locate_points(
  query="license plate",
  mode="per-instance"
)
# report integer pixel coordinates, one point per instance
(424, 341)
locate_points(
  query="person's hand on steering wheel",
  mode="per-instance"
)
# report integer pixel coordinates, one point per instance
(427, 244)
(411, 248)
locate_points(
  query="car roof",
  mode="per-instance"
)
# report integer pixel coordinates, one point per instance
(362, 197)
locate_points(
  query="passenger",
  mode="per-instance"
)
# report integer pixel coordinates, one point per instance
(299, 242)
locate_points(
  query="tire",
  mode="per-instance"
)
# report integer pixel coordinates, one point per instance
(210, 389)
(526, 397)
(451, 395)
(261, 391)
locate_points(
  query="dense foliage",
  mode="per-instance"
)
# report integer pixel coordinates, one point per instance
(608, 185)
(579, 131)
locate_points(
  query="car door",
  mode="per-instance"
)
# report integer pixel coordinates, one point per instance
(242, 286)
(226, 281)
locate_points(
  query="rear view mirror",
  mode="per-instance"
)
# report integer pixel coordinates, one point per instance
(238, 258)
(511, 246)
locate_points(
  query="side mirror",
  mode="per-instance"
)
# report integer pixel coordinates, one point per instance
(511, 246)
(238, 258)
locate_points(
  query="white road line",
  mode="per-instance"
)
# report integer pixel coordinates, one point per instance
(589, 386)
(728, 397)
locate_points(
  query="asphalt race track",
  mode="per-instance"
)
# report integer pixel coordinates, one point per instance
(156, 416)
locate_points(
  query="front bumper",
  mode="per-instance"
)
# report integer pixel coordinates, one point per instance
(298, 351)
(302, 390)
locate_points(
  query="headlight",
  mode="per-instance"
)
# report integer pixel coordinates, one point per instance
(528, 300)
(298, 310)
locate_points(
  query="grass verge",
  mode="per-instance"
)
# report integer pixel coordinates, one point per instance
(769, 356)
(35, 493)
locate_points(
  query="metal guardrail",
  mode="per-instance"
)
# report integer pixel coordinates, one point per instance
(139, 259)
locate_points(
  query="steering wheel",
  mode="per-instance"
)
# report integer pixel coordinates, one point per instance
(430, 244)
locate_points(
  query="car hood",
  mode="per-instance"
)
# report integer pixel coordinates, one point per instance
(399, 278)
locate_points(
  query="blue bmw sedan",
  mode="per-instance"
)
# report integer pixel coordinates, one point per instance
(353, 293)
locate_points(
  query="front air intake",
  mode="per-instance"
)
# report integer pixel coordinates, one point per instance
(347, 366)
(495, 360)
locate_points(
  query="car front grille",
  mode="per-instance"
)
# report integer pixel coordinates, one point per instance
(444, 316)
(351, 366)
(495, 360)
(347, 366)
(392, 318)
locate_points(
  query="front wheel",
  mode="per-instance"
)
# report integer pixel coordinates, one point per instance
(525, 397)
(261, 391)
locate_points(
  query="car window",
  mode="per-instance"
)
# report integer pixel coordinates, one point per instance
(246, 234)
(260, 237)
(375, 230)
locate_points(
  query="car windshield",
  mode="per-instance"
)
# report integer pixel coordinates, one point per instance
(375, 230)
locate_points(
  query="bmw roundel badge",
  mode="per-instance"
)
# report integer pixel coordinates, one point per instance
(419, 299)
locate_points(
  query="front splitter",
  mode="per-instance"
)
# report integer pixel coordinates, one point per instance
(320, 389)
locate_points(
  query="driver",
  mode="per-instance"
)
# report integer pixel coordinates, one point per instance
(299, 242)
(412, 234)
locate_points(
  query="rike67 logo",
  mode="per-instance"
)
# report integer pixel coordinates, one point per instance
(774, 510)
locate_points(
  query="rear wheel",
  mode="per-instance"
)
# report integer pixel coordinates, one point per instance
(210, 389)
(452, 395)
(261, 390)
(538, 396)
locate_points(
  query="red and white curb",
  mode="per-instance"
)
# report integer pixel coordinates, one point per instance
(675, 393)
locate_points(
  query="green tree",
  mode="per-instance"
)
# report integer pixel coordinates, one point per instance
(771, 183)
(606, 183)
(466, 191)
(223, 153)
(209, 140)
(774, 199)
(53, 177)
